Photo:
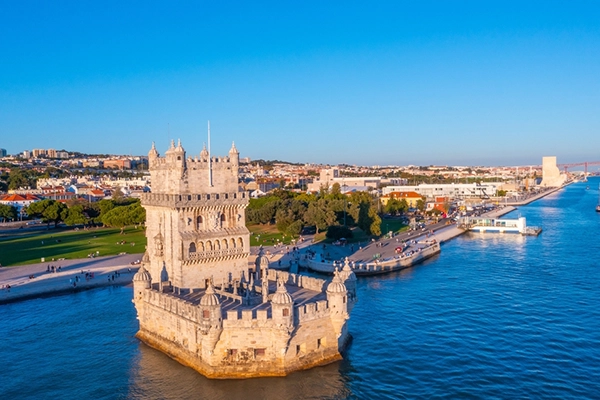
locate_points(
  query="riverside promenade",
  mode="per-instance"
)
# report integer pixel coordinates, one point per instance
(33, 281)
(105, 269)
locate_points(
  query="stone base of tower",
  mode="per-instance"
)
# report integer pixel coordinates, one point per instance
(235, 370)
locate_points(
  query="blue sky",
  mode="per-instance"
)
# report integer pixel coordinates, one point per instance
(400, 82)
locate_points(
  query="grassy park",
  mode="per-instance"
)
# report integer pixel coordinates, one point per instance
(267, 235)
(28, 248)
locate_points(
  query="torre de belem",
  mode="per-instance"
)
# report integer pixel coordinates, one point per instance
(201, 299)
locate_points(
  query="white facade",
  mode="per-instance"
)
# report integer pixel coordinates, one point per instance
(454, 190)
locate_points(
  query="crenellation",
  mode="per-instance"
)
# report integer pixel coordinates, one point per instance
(232, 315)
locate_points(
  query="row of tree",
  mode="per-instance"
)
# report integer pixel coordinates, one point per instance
(290, 211)
(114, 213)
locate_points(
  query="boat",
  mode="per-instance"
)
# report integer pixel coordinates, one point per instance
(598, 205)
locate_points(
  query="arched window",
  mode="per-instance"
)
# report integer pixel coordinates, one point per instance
(222, 220)
(240, 243)
(192, 247)
(209, 246)
(217, 245)
(200, 246)
(224, 244)
(232, 243)
(199, 222)
(286, 312)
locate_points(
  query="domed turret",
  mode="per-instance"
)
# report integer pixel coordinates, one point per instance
(171, 147)
(261, 262)
(281, 296)
(210, 298)
(145, 259)
(211, 320)
(204, 153)
(233, 149)
(234, 156)
(141, 281)
(348, 278)
(142, 275)
(153, 153)
(336, 285)
(282, 307)
(337, 297)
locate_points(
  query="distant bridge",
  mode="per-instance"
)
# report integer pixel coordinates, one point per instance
(581, 164)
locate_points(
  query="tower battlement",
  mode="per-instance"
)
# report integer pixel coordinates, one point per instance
(177, 173)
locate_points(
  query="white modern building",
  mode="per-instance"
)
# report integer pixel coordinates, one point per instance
(454, 190)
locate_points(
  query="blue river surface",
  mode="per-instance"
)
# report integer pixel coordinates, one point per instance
(493, 316)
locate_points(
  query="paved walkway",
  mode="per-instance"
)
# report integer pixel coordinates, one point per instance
(105, 268)
(44, 283)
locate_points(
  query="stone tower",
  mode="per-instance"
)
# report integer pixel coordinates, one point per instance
(198, 301)
(195, 218)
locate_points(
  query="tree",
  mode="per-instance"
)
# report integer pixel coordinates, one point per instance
(8, 212)
(17, 179)
(392, 206)
(294, 228)
(76, 215)
(420, 205)
(122, 216)
(375, 227)
(319, 215)
(49, 210)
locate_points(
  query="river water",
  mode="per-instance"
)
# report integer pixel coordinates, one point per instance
(494, 316)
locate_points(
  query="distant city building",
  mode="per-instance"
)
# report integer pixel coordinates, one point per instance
(117, 164)
(454, 190)
(2, 153)
(411, 198)
(20, 202)
(51, 153)
(329, 176)
(26, 154)
(37, 153)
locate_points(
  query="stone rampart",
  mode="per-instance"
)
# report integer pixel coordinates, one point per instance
(303, 281)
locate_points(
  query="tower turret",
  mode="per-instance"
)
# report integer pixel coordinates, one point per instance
(348, 278)
(176, 156)
(204, 154)
(152, 154)
(337, 297)
(211, 318)
(282, 306)
(234, 155)
(141, 281)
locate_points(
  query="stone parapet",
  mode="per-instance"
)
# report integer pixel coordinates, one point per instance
(194, 200)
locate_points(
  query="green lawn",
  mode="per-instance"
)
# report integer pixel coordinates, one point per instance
(29, 248)
(267, 235)
(392, 225)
